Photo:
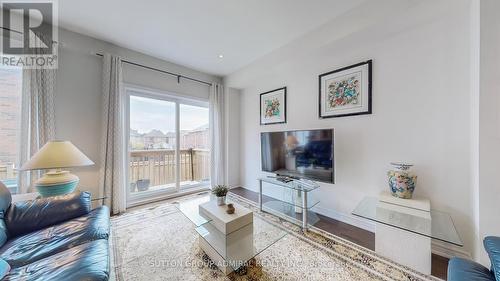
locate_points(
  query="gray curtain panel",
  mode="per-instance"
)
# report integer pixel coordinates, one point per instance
(112, 166)
(37, 119)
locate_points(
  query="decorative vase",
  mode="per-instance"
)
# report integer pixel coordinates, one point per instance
(230, 209)
(401, 181)
(221, 200)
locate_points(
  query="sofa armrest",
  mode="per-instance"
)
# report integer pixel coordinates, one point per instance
(465, 270)
(29, 216)
(492, 247)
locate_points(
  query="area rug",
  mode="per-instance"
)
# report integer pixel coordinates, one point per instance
(159, 243)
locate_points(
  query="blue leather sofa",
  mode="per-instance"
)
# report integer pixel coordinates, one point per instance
(465, 270)
(56, 238)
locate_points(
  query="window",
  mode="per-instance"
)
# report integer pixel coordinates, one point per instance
(194, 147)
(168, 144)
(152, 144)
(10, 120)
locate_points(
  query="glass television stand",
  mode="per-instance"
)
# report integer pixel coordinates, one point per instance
(293, 203)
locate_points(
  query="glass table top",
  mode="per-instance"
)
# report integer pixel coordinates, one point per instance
(302, 185)
(434, 224)
(190, 209)
(239, 246)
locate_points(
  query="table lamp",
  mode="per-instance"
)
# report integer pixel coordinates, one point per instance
(55, 155)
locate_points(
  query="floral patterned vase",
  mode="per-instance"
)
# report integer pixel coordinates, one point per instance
(401, 181)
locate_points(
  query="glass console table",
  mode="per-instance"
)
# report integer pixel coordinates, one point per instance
(235, 248)
(405, 228)
(440, 225)
(296, 207)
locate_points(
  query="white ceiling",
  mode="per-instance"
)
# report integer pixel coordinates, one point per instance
(194, 32)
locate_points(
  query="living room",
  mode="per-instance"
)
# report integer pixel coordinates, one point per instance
(250, 140)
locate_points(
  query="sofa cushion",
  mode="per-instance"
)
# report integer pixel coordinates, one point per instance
(89, 262)
(492, 246)
(28, 216)
(465, 270)
(4, 268)
(39, 244)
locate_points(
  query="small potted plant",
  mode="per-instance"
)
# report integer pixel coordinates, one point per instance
(220, 191)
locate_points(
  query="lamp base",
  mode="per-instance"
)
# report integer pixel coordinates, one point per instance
(56, 182)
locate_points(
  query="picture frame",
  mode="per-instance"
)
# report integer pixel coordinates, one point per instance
(273, 107)
(346, 91)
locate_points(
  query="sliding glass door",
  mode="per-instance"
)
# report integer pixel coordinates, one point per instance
(194, 147)
(168, 147)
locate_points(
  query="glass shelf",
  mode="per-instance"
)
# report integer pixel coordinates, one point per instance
(281, 208)
(434, 224)
(301, 185)
(291, 197)
(238, 247)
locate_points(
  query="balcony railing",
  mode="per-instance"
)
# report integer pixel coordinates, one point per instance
(157, 167)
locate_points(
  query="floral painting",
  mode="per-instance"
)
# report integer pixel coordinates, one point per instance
(273, 107)
(346, 91)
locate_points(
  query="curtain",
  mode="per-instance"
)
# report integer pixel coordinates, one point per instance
(112, 168)
(37, 119)
(216, 134)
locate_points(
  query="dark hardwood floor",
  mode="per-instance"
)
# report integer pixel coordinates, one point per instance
(349, 232)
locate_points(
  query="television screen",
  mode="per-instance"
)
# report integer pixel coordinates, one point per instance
(300, 154)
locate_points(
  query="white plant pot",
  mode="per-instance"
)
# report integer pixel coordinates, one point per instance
(221, 200)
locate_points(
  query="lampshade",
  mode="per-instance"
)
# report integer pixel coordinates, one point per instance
(57, 154)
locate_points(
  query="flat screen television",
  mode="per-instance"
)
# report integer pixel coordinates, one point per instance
(299, 154)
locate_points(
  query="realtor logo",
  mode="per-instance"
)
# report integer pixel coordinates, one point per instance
(29, 34)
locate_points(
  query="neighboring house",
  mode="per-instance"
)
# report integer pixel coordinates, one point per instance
(136, 140)
(196, 138)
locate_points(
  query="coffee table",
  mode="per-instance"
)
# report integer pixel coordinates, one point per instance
(230, 250)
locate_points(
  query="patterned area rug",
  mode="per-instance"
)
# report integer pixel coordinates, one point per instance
(159, 243)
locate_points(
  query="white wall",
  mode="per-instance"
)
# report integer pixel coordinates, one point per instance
(489, 124)
(78, 92)
(421, 102)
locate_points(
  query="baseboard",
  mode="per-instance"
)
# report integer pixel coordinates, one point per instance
(349, 219)
(448, 250)
(168, 196)
(440, 248)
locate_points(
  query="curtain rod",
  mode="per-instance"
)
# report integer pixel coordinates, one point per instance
(179, 76)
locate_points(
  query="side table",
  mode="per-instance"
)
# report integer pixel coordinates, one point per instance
(405, 227)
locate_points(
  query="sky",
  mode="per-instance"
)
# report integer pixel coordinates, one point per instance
(147, 114)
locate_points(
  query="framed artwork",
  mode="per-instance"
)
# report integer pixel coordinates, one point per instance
(346, 91)
(273, 107)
